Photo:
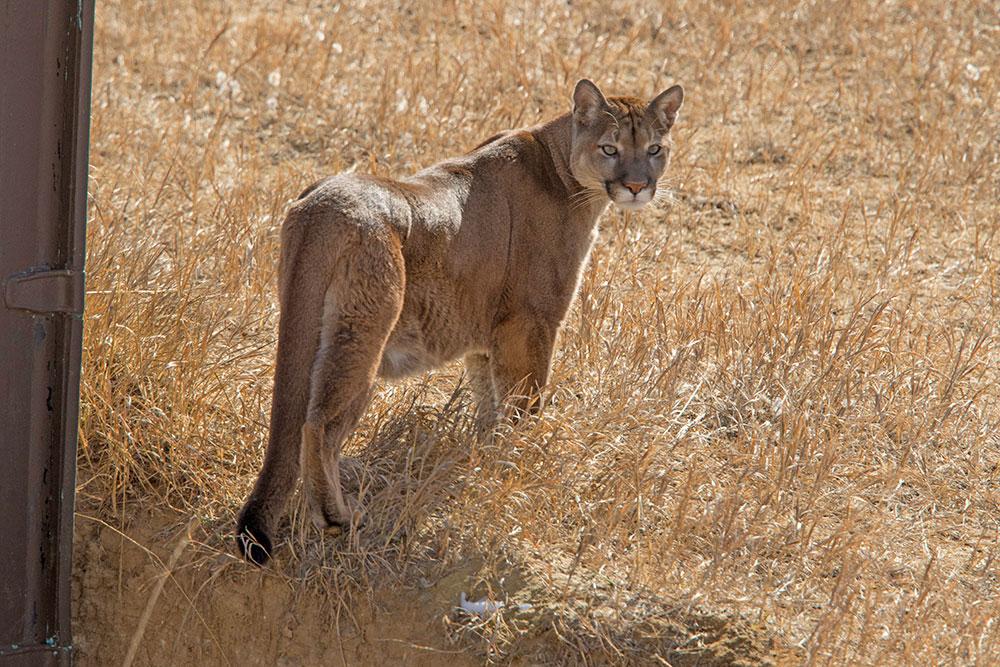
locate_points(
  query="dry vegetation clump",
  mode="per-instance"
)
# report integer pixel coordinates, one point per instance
(773, 426)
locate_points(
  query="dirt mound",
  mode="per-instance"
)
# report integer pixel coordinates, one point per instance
(213, 609)
(156, 593)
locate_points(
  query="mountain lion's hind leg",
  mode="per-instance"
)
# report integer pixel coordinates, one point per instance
(321, 468)
(361, 308)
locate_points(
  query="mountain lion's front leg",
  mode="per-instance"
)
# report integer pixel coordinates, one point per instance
(520, 357)
(477, 364)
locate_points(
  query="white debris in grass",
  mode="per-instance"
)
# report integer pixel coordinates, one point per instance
(485, 608)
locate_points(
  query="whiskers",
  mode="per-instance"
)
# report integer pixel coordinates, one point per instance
(587, 197)
(665, 195)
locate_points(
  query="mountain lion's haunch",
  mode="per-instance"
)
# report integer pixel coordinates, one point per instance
(479, 255)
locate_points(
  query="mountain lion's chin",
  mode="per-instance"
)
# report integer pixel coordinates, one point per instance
(630, 205)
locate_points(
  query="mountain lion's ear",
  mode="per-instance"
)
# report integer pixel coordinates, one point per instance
(664, 106)
(588, 101)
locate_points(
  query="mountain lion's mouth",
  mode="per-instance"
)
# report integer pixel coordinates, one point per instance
(626, 198)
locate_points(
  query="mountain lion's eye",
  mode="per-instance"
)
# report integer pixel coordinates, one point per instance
(609, 150)
(654, 149)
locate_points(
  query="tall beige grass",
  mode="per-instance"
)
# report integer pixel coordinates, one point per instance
(775, 398)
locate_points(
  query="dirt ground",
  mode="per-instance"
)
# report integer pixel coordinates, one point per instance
(229, 614)
(147, 590)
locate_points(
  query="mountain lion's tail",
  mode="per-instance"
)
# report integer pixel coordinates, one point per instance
(304, 275)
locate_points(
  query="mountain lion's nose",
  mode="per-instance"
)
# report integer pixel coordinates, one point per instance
(634, 188)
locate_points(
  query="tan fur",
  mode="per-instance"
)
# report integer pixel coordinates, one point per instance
(478, 256)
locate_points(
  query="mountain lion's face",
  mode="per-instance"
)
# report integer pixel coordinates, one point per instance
(621, 145)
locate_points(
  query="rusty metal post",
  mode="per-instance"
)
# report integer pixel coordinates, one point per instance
(45, 60)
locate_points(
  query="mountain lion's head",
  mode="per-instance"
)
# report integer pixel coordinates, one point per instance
(621, 145)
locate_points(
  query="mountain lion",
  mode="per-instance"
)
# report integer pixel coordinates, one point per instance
(479, 256)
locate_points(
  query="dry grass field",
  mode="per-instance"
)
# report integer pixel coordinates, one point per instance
(772, 437)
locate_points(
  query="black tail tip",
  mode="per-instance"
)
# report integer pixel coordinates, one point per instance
(253, 542)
